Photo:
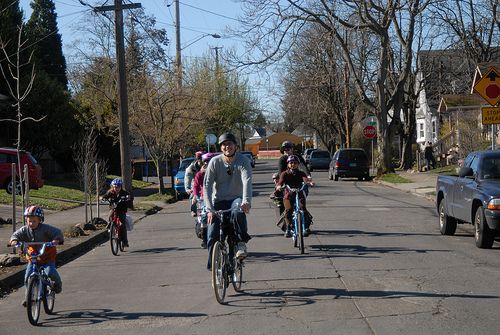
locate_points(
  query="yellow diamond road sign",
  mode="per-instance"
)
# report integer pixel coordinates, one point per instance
(488, 86)
(491, 115)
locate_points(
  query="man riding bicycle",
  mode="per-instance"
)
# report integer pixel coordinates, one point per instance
(228, 177)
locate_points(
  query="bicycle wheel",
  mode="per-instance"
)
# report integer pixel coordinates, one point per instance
(33, 300)
(300, 235)
(49, 299)
(114, 239)
(219, 282)
(237, 277)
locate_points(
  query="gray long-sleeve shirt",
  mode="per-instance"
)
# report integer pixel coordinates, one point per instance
(220, 185)
(43, 233)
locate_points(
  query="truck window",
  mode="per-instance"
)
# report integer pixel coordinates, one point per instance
(474, 165)
(468, 160)
(491, 168)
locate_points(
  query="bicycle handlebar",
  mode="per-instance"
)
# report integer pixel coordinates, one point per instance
(295, 190)
(23, 245)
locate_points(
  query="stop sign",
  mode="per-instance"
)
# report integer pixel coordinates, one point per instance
(369, 132)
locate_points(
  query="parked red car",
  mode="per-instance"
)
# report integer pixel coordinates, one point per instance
(9, 156)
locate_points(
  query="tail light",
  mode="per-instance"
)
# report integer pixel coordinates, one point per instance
(337, 164)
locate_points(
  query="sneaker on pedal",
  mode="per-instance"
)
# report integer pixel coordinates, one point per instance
(242, 250)
(288, 233)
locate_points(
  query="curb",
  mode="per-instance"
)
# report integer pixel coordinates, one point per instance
(428, 196)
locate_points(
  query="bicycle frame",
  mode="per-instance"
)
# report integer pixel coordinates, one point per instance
(39, 281)
(225, 266)
(115, 237)
(298, 219)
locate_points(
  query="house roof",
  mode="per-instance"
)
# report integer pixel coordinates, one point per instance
(453, 101)
(445, 72)
(253, 140)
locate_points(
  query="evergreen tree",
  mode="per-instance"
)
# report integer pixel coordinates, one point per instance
(11, 18)
(43, 34)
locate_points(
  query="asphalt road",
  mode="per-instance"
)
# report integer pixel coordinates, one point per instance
(375, 265)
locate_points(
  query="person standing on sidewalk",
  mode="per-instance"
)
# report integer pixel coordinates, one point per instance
(429, 156)
(228, 177)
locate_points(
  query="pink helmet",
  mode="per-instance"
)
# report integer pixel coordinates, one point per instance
(292, 158)
(207, 157)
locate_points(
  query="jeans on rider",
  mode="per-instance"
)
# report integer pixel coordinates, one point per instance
(50, 270)
(213, 229)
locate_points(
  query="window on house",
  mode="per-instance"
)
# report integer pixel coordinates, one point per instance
(421, 130)
(433, 129)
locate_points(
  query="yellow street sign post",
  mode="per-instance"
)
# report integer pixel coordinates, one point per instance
(490, 115)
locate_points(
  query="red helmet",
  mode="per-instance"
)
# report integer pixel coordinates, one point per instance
(198, 154)
(34, 211)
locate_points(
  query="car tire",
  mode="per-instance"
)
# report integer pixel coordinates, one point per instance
(483, 235)
(447, 224)
(10, 185)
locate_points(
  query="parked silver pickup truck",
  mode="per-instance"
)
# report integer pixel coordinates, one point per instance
(472, 197)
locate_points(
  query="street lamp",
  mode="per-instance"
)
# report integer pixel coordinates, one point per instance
(178, 55)
(199, 38)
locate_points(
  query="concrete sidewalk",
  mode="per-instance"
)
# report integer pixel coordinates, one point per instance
(423, 183)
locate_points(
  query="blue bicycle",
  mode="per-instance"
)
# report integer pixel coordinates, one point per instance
(40, 288)
(298, 219)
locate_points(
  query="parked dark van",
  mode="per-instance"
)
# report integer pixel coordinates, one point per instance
(349, 163)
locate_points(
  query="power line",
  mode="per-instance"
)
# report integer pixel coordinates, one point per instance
(210, 12)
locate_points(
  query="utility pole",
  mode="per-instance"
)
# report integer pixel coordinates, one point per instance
(125, 162)
(178, 62)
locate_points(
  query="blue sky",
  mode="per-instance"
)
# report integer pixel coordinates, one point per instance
(198, 18)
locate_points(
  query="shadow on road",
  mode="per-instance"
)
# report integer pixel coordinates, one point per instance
(294, 296)
(94, 316)
(360, 250)
(353, 233)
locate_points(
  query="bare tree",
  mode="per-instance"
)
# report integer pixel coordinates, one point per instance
(15, 68)
(273, 27)
(86, 157)
(472, 24)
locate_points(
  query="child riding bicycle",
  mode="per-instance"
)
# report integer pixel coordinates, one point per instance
(37, 231)
(294, 178)
(117, 196)
(198, 195)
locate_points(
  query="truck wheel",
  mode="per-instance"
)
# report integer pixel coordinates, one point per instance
(483, 234)
(447, 224)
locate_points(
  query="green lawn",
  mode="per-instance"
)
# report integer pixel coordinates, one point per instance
(394, 178)
(59, 194)
(450, 170)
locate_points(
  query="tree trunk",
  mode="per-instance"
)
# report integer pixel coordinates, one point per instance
(161, 186)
